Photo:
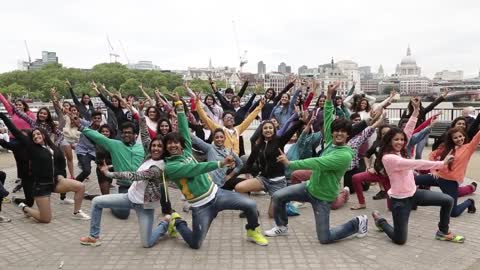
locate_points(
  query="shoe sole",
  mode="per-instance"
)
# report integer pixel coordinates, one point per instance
(448, 240)
(76, 218)
(253, 241)
(90, 244)
(279, 234)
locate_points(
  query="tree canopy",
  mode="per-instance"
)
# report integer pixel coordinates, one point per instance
(36, 84)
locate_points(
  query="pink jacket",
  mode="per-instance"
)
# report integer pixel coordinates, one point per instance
(17, 121)
(400, 172)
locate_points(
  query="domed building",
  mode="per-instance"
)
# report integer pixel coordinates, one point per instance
(408, 66)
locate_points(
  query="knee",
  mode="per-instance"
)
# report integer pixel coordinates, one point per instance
(45, 219)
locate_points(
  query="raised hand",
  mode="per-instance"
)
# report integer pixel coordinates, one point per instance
(68, 84)
(283, 158)
(448, 159)
(228, 161)
(445, 92)
(175, 97)
(103, 167)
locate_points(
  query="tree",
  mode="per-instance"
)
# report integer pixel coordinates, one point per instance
(387, 89)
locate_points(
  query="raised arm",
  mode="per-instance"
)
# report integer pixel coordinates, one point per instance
(242, 90)
(24, 117)
(286, 125)
(144, 134)
(287, 87)
(201, 144)
(224, 102)
(246, 123)
(412, 121)
(182, 123)
(473, 129)
(74, 97)
(291, 106)
(328, 111)
(13, 129)
(203, 116)
(6, 104)
(437, 101)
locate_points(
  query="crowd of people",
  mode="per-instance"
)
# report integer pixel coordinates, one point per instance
(319, 153)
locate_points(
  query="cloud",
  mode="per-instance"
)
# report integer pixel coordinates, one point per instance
(175, 35)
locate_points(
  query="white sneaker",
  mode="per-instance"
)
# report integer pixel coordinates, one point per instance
(67, 201)
(277, 231)
(362, 226)
(347, 189)
(299, 205)
(21, 206)
(81, 215)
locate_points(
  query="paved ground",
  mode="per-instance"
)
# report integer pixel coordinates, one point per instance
(27, 245)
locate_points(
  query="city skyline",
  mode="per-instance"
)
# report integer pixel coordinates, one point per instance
(305, 34)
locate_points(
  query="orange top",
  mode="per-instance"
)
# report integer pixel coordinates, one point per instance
(459, 165)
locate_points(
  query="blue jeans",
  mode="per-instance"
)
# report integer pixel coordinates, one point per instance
(321, 210)
(420, 145)
(401, 212)
(203, 216)
(145, 217)
(448, 187)
(118, 212)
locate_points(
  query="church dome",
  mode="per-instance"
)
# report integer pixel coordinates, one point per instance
(409, 59)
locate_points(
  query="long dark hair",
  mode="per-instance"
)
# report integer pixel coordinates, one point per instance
(113, 133)
(156, 110)
(460, 118)
(46, 139)
(449, 145)
(261, 138)
(410, 106)
(386, 146)
(163, 120)
(25, 105)
(49, 120)
(318, 100)
(160, 139)
(205, 100)
(358, 108)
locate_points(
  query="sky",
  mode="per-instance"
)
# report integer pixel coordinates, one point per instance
(443, 35)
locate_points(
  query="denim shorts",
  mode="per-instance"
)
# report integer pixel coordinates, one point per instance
(40, 190)
(272, 186)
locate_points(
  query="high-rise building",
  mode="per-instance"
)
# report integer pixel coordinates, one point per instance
(262, 68)
(288, 69)
(303, 69)
(282, 68)
(47, 58)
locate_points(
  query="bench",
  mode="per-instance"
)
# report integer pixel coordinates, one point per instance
(438, 129)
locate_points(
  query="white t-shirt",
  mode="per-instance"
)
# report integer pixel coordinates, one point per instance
(136, 192)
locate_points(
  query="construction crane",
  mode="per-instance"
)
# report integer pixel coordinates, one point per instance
(112, 51)
(28, 53)
(243, 58)
(124, 52)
